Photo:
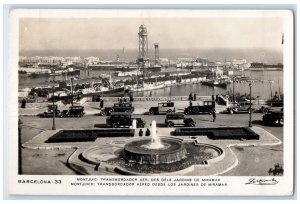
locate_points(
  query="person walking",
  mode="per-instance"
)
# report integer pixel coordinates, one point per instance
(195, 96)
(191, 97)
(101, 103)
(214, 115)
(23, 103)
(131, 97)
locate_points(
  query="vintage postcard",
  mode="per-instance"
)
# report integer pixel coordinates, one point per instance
(151, 102)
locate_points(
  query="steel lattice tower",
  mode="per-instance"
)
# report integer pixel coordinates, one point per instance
(143, 48)
(156, 53)
(143, 42)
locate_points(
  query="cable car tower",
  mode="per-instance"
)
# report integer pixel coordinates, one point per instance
(143, 50)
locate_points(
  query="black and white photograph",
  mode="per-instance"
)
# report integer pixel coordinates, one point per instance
(174, 99)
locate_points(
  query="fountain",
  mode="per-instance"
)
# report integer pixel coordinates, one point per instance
(155, 142)
(154, 150)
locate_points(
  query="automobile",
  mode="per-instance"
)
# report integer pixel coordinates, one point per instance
(241, 107)
(118, 107)
(275, 103)
(178, 119)
(204, 107)
(162, 108)
(118, 119)
(74, 111)
(49, 112)
(273, 118)
(264, 109)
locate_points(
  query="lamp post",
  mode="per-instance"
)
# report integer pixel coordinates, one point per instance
(250, 112)
(233, 97)
(54, 109)
(20, 123)
(72, 91)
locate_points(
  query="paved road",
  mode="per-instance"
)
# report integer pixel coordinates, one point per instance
(35, 124)
(252, 160)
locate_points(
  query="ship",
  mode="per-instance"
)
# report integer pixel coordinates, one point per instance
(117, 91)
(68, 71)
(104, 67)
(216, 82)
(39, 74)
(148, 86)
(106, 88)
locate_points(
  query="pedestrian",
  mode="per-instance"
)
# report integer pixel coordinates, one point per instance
(214, 115)
(101, 103)
(191, 97)
(131, 97)
(150, 94)
(121, 99)
(195, 96)
(141, 132)
(191, 103)
(147, 132)
(23, 103)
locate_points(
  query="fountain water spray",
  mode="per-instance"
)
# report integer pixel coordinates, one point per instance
(155, 142)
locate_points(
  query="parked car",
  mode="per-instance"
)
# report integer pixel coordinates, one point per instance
(74, 111)
(273, 118)
(241, 107)
(118, 107)
(118, 119)
(205, 107)
(264, 109)
(162, 108)
(49, 112)
(275, 103)
(178, 119)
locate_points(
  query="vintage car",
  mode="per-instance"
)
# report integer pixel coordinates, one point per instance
(204, 107)
(241, 107)
(74, 111)
(118, 119)
(162, 108)
(273, 118)
(178, 119)
(118, 107)
(49, 112)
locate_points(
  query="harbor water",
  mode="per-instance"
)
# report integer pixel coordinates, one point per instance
(269, 83)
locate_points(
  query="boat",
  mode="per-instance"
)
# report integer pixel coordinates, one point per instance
(216, 82)
(103, 67)
(103, 91)
(107, 89)
(39, 74)
(131, 73)
(69, 71)
(148, 86)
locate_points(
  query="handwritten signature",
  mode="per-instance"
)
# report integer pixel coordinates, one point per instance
(255, 181)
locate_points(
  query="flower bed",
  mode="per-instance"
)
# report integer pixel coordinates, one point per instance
(229, 133)
(89, 135)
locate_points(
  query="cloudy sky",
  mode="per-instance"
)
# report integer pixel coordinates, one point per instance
(100, 33)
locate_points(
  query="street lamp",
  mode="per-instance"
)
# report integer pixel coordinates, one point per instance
(233, 97)
(250, 112)
(54, 109)
(20, 124)
(72, 90)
